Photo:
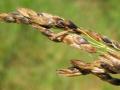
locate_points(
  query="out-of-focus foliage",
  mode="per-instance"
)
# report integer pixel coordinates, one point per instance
(28, 60)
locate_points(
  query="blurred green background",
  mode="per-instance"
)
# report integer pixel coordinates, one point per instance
(28, 60)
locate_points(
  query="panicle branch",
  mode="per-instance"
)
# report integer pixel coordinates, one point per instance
(107, 63)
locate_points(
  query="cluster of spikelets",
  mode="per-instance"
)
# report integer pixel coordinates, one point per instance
(108, 61)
